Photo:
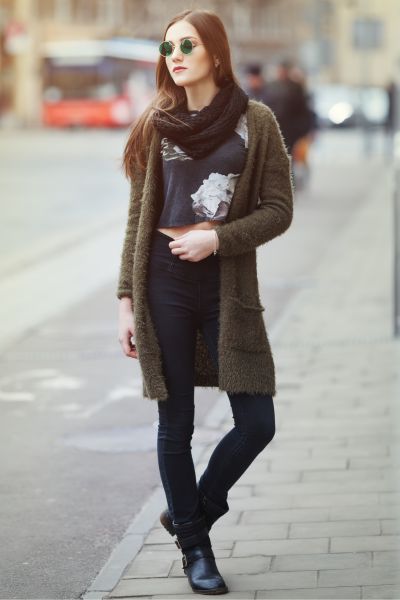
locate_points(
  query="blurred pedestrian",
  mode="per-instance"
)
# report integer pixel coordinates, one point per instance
(255, 85)
(287, 99)
(301, 147)
(190, 309)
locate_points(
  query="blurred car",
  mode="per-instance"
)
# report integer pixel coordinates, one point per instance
(349, 106)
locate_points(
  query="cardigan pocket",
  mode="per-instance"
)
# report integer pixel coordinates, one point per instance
(248, 328)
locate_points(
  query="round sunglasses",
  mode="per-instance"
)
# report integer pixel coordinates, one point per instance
(186, 46)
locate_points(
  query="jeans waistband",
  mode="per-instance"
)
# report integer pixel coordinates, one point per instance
(160, 248)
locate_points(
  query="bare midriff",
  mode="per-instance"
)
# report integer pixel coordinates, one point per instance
(175, 232)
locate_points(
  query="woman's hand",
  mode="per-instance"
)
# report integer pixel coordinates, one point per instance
(194, 245)
(125, 327)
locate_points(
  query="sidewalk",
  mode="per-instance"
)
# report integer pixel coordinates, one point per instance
(317, 513)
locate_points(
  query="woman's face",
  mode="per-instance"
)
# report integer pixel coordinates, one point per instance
(197, 65)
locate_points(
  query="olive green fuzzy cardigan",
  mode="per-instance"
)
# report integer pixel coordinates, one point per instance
(261, 209)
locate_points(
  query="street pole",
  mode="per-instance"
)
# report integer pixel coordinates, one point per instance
(396, 202)
(396, 194)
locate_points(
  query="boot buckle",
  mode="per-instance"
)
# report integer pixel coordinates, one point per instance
(184, 561)
(178, 544)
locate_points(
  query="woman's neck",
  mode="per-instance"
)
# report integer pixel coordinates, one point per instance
(199, 97)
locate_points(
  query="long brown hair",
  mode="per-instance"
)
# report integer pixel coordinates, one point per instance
(169, 95)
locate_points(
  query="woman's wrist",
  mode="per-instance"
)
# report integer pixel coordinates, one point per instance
(125, 303)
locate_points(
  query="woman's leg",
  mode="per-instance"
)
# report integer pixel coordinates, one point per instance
(254, 428)
(173, 293)
(172, 307)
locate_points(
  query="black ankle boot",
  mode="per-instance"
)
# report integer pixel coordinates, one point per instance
(211, 511)
(198, 560)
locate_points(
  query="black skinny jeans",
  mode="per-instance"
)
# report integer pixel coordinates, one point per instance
(184, 295)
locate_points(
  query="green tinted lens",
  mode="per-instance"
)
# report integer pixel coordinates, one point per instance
(186, 46)
(165, 48)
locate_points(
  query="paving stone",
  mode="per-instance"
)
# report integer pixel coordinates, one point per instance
(362, 576)
(259, 502)
(377, 511)
(275, 547)
(241, 491)
(288, 440)
(365, 543)
(390, 526)
(251, 532)
(386, 558)
(373, 462)
(350, 499)
(381, 591)
(284, 516)
(342, 560)
(170, 553)
(352, 411)
(347, 593)
(281, 452)
(334, 528)
(369, 485)
(347, 474)
(130, 588)
(159, 536)
(389, 498)
(279, 464)
(145, 566)
(270, 580)
(268, 478)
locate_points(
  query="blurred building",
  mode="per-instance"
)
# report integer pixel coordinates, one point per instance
(334, 41)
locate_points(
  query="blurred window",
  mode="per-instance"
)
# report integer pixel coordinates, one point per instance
(84, 10)
(45, 9)
(367, 33)
(62, 10)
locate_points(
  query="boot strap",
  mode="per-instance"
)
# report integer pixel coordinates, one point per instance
(192, 540)
(200, 552)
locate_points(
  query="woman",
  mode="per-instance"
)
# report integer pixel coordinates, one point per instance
(210, 181)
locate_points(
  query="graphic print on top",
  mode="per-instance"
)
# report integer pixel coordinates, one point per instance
(198, 190)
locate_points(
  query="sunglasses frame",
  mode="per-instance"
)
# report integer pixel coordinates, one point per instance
(181, 45)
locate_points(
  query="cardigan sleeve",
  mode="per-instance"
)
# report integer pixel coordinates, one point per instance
(128, 247)
(274, 213)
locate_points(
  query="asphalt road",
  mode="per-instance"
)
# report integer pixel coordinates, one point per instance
(77, 441)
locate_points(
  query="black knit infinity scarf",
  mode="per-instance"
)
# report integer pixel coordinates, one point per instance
(209, 127)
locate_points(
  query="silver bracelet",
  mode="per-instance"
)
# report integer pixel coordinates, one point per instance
(216, 238)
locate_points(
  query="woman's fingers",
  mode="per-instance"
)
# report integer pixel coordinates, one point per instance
(193, 245)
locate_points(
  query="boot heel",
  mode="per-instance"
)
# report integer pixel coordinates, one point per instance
(166, 522)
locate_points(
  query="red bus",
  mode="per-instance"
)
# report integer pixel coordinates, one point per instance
(99, 83)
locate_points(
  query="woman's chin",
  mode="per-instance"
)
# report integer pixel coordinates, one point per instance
(182, 81)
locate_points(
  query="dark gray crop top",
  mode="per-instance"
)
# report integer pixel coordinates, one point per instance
(201, 189)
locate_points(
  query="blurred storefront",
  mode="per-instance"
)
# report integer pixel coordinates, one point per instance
(334, 41)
